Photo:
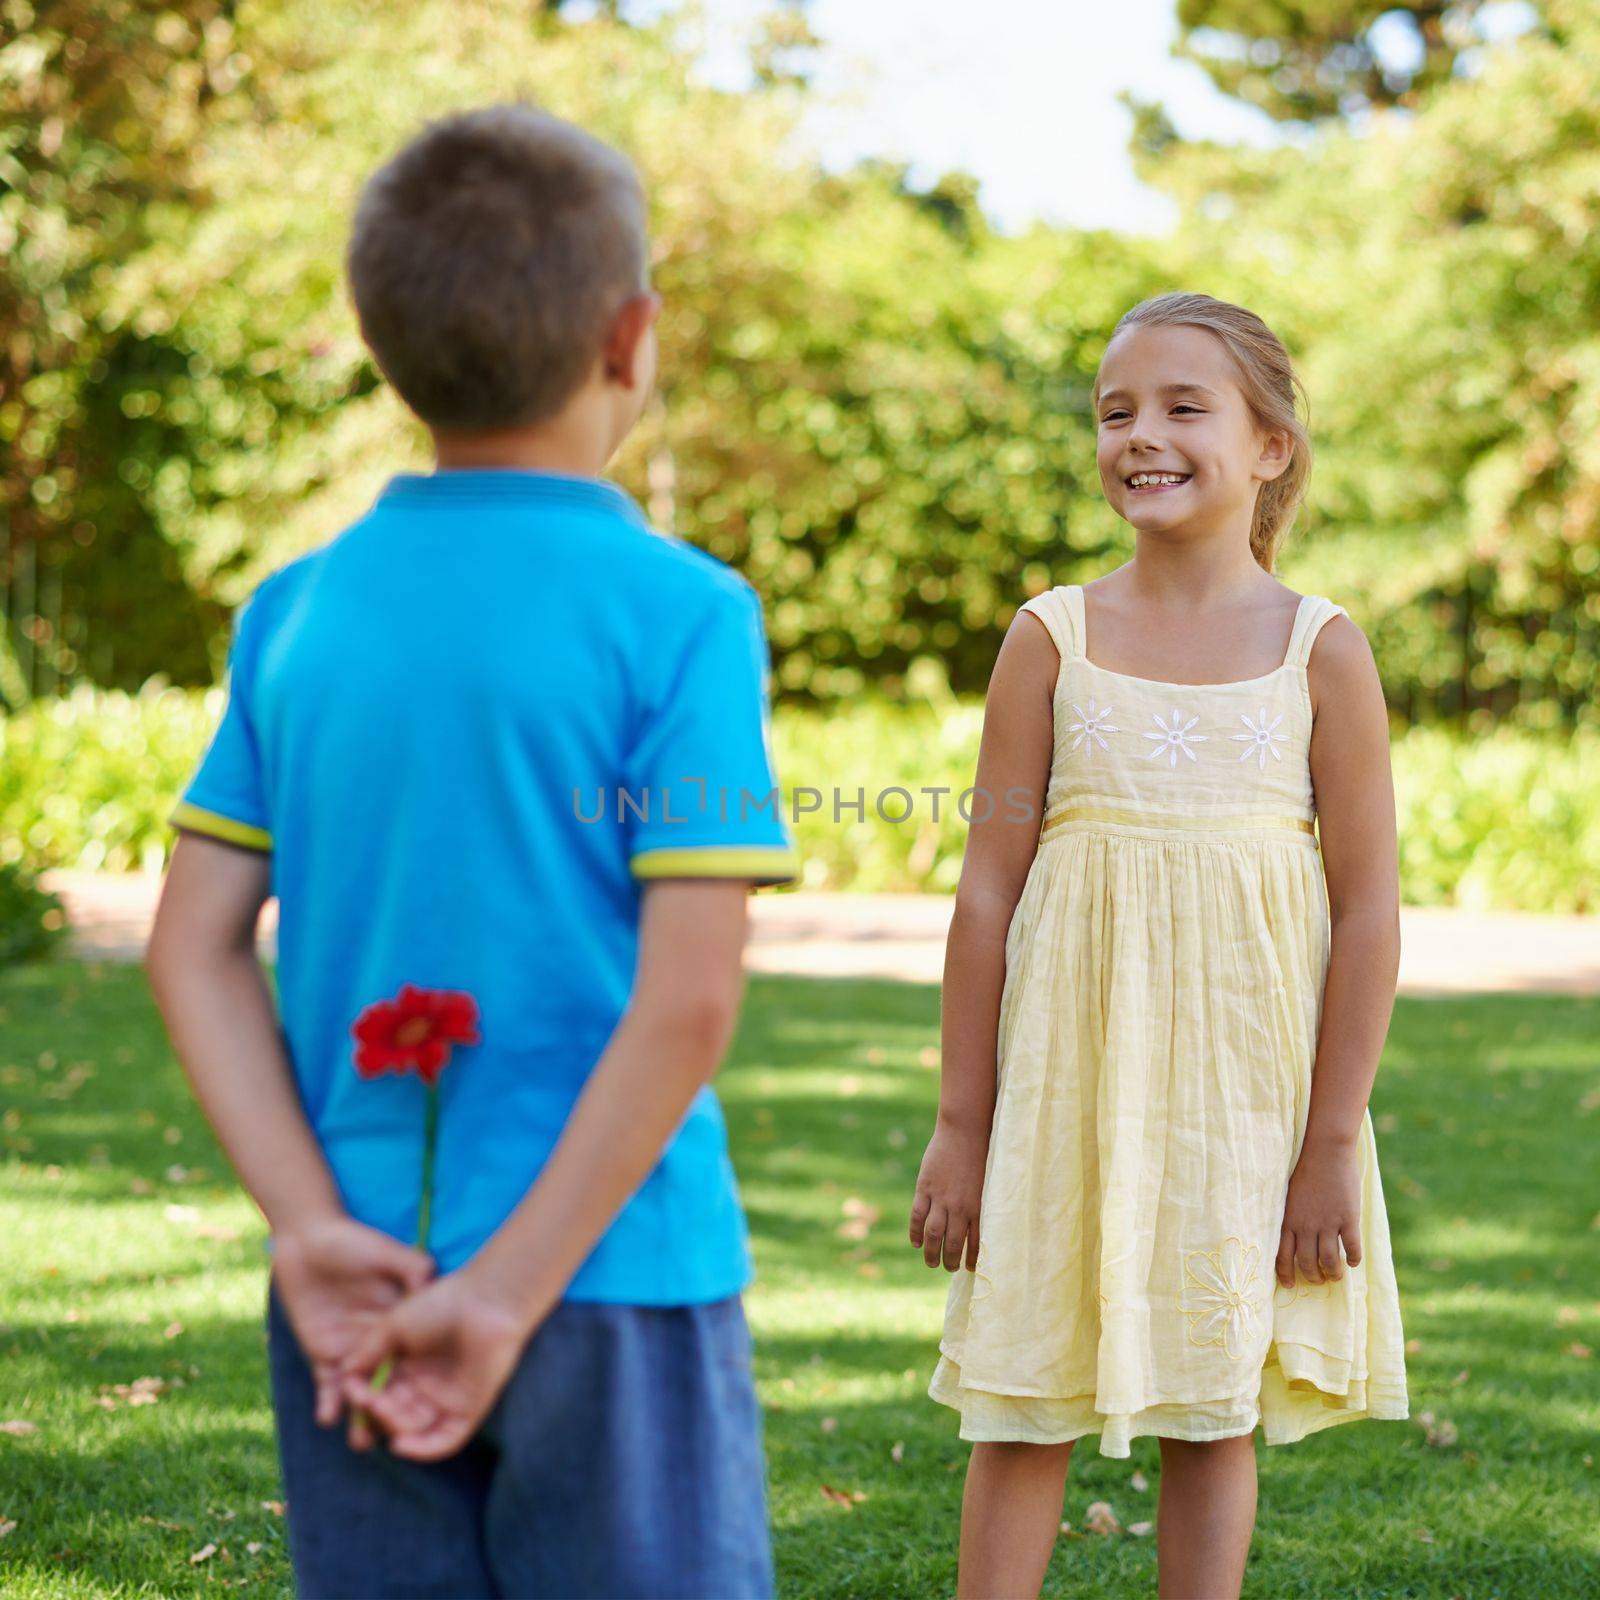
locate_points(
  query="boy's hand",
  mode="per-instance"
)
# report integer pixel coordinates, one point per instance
(336, 1278)
(944, 1214)
(450, 1350)
(1323, 1206)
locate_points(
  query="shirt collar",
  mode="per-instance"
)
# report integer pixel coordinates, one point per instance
(459, 485)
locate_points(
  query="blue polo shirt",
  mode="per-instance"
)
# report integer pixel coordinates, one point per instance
(469, 731)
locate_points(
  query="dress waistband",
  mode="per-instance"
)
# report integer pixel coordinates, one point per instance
(1182, 824)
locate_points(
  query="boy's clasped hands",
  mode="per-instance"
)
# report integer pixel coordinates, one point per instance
(362, 1302)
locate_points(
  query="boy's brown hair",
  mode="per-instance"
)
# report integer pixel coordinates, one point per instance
(487, 258)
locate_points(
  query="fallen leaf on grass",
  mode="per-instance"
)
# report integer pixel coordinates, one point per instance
(1578, 1349)
(1567, 1315)
(897, 1451)
(172, 1330)
(204, 1553)
(859, 1218)
(1070, 1531)
(1437, 1431)
(19, 1429)
(1139, 1483)
(1412, 1346)
(1101, 1519)
(6, 1528)
(203, 1230)
(254, 1548)
(1461, 1377)
(161, 1522)
(828, 1424)
(274, 1506)
(1424, 1536)
(1140, 1528)
(141, 1392)
(843, 1497)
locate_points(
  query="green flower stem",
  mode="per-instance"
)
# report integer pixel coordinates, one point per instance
(430, 1137)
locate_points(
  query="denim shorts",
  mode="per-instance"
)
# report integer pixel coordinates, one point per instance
(624, 1459)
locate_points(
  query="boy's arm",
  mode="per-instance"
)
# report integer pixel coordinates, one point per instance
(453, 1345)
(213, 995)
(334, 1274)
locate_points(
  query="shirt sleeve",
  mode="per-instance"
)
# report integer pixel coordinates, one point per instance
(226, 797)
(701, 798)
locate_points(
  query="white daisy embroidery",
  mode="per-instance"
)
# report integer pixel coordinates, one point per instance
(1092, 726)
(1260, 739)
(1175, 738)
(1223, 1296)
(1301, 1290)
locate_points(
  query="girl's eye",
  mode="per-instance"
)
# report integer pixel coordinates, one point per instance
(1183, 405)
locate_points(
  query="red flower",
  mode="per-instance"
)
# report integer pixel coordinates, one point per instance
(414, 1032)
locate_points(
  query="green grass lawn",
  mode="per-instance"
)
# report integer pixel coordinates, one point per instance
(129, 1254)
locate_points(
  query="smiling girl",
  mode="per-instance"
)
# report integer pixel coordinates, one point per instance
(1164, 1004)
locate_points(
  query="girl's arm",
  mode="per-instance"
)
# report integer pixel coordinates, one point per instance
(1013, 774)
(1354, 791)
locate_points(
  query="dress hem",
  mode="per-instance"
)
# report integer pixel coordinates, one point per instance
(1382, 1402)
(997, 1436)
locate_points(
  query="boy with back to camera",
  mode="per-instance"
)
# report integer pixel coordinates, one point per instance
(497, 739)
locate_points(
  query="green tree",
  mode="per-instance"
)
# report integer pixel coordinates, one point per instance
(1305, 60)
(101, 108)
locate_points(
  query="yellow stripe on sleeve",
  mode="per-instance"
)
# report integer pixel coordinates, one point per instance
(216, 826)
(763, 863)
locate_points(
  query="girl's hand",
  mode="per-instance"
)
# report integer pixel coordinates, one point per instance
(944, 1214)
(1323, 1207)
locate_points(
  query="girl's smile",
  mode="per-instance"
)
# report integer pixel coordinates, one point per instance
(1147, 482)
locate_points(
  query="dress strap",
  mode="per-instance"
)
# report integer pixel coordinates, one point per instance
(1055, 610)
(1314, 610)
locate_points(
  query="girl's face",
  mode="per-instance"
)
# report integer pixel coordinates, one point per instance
(1179, 448)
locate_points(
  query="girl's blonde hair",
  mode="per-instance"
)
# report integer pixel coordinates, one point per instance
(1271, 387)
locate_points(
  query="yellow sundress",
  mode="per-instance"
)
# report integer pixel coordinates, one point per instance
(1163, 994)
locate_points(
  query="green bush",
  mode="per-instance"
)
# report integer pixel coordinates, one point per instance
(1504, 821)
(32, 920)
(87, 779)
